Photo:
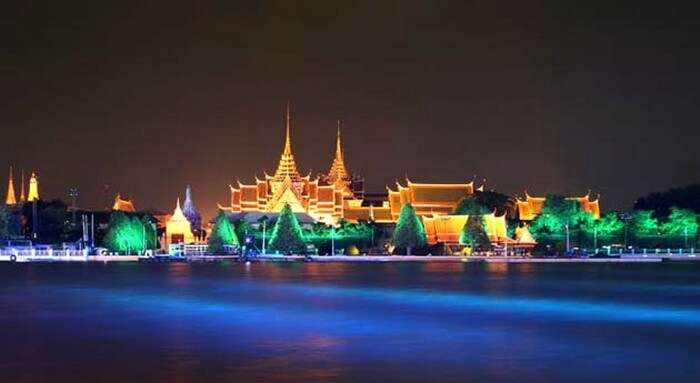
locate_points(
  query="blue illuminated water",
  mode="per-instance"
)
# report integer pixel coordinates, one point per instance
(349, 322)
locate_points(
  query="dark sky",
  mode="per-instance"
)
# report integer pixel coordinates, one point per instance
(548, 96)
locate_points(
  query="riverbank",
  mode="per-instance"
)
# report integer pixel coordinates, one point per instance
(625, 258)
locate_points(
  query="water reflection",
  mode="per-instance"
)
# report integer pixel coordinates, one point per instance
(349, 322)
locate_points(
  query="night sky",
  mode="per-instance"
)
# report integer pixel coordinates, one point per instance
(548, 96)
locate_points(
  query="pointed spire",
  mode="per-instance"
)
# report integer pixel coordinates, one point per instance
(338, 148)
(338, 174)
(22, 196)
(190, 210)
(287, 166)
(10, 200)
(287, 140)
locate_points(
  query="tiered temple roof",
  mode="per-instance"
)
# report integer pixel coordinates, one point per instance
(322, 201)
(531, 207)
(448, 228)
(428, 199)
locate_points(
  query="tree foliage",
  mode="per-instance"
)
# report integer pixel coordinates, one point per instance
(557, 212)
(287, 235)
(483, 202)
(222, 234)
(680, 222)
(474, 233)
(607, 226)
(128, 234)
(643, 222)
(409, 232)
(4, 222)
(687, 197)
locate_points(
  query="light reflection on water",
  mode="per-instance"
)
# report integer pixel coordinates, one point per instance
(349, 322)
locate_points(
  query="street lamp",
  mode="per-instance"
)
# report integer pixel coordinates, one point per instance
(332, 240)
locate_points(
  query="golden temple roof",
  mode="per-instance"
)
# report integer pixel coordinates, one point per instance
(287, 166)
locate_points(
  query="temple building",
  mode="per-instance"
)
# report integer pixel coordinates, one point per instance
(33, 188)
(338, 195)
(428, 199)
(531, 207)
(448, 228)
(10, 199)
(124, 205)
(324, 198)
(191, 212)
(178, 228)
(33, 195)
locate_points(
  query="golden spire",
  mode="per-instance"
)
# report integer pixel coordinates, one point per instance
(22, 196)
(33, 188)
(338, 171)
(287, 167)
(10, 200)
(287, 140)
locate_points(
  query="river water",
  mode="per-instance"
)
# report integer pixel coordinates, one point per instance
(378, 322)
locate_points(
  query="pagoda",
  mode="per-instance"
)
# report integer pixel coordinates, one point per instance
(191, 212)
(10, 199)
(33, 188)
(177, 228)
(322, 200)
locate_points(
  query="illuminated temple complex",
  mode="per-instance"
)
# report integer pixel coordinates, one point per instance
(337, 195)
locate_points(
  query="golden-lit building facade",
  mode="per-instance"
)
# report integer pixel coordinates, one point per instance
(178, 228)
(530, 207)
(124, 205)
(428, 199)
(324, 198)
(448, 228)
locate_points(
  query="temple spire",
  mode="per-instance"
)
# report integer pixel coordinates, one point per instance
(287, 140)
(338, 171)
(33, 188)
(10, 200)
(338, 148)
(287, 167)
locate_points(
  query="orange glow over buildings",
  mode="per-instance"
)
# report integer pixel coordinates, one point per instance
(123, 204)
(324, 198)
(531, 207)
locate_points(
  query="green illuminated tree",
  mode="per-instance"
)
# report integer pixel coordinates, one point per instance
(124, 234)
(607, 226)
(474, 233)
(557, 212)
(150, 234)
(409, 232)
(287, 235)
(681, 222)
(223, 233)
(644, 223)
